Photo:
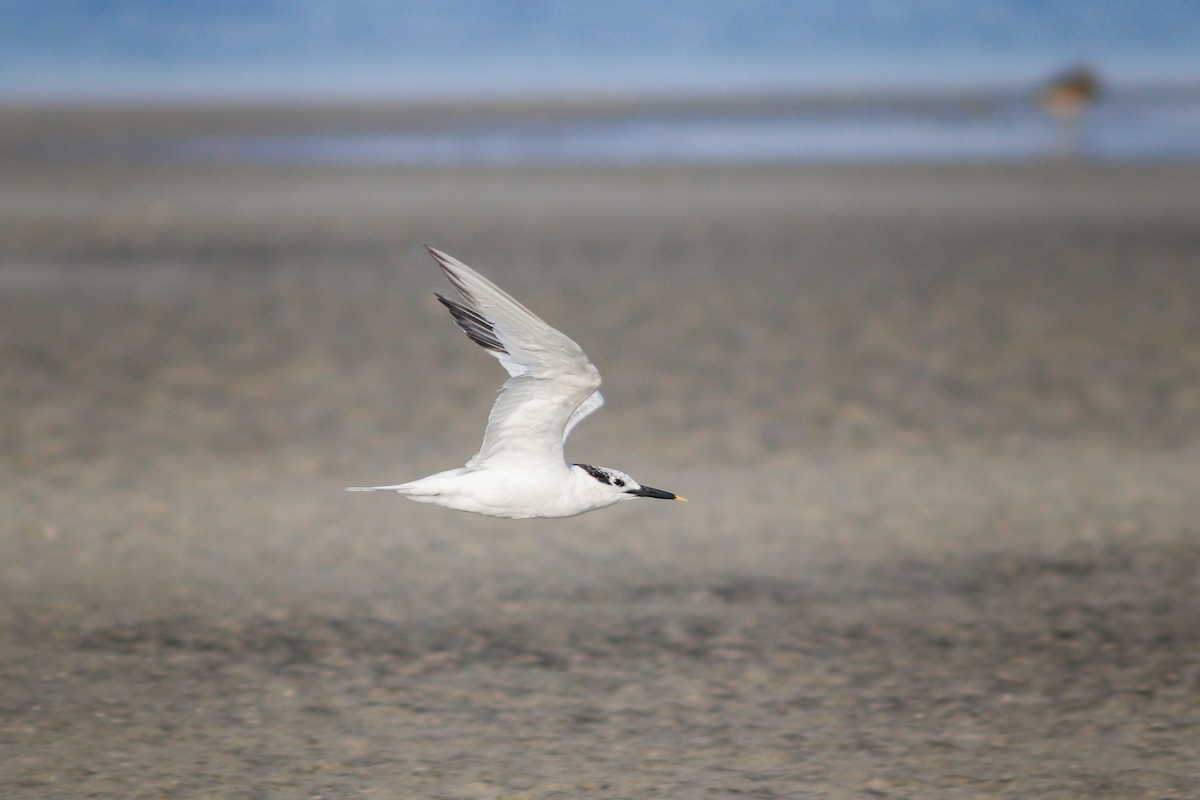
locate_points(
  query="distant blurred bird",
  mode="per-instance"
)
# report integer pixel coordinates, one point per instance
(1067, 95)
(520, 472)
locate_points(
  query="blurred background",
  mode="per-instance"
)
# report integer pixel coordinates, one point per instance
(611, 83)
(903, 296)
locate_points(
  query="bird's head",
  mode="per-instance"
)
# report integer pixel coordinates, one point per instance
(619, 486)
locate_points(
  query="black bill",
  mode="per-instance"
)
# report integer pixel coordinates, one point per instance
(658, 494)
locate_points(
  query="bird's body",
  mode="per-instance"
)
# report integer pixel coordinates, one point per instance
(520, 470)
(507, 492)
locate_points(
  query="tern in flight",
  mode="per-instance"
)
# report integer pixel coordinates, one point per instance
(520, 471)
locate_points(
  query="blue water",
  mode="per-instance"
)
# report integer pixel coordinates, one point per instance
(1116, 130)
(1146, 53)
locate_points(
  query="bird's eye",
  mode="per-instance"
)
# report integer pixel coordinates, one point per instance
(618, 482)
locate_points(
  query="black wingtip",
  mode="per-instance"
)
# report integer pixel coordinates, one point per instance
(473, 324)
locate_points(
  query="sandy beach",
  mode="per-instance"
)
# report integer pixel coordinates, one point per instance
(939, 427)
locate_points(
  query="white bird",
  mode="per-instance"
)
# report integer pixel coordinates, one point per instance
(520, 471)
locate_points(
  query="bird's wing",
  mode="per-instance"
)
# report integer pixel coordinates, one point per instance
(593, 401)
(552, 384)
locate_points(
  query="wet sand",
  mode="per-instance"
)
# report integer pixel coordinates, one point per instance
(938, 427)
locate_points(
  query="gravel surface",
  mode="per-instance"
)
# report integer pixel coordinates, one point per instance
(938, 427)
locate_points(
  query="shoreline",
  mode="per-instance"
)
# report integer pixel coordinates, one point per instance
(775, 129)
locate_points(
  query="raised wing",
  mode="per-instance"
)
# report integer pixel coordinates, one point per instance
(552, 384)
